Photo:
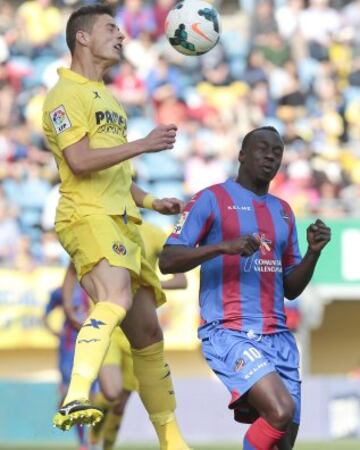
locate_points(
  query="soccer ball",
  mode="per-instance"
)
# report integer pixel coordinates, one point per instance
(193, 27)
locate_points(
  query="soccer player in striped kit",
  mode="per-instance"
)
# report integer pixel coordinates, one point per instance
(245, 240)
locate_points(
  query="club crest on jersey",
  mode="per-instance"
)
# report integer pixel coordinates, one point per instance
(265, 243)
(179, 226)
(239, 364)
(119, 248)
(60, 119)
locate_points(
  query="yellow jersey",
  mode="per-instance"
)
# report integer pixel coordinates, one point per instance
(73, 108)
(154, 239)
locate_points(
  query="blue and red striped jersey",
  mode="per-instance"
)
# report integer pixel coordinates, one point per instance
(81, 305)
(241, 293)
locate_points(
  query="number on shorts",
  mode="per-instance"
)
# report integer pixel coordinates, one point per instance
(252, 353)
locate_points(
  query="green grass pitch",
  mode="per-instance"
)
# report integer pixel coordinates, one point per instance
(335, 445)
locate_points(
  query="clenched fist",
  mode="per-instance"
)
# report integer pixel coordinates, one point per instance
(168, 206)
(244, 246)
(318, 235)
(162, 137)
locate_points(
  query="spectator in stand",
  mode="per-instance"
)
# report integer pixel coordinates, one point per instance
(134, 18)
(40, 24)
(299, 67)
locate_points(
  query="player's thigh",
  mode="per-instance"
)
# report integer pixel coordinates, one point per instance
(141, 324)
(288, 367)
(104, 254)
(270, 397)
(238, 361)
(108, 283)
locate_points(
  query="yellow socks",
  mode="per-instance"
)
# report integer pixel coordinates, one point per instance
(91, 345)
(157, 394)
(169, 434)
(111, 427)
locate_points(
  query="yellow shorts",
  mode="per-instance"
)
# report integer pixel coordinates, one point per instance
(90, 239)
(119, 354)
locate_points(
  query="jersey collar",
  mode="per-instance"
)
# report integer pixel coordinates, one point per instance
(74, 76)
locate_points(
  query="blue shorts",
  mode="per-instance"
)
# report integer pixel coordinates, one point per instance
(240, 359)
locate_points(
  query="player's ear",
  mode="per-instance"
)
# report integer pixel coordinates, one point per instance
(241, 156)
(82, 38)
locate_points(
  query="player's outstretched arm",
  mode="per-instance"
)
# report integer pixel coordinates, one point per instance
(67, 295)
(179, 258)
(83, 160)
(166, 206)
(318, 235)
(48, 326)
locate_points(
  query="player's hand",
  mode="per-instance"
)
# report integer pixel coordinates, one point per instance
(160, 138)
(318, 235)
(244, 246)
(71, 316)
(168, 206)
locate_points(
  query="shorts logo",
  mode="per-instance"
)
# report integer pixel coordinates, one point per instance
(179, 226)
(240, 363)
(119, 248)
(60, 119)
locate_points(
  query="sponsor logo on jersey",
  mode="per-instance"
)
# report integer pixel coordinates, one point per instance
(109, 117)
(119, 248)
(265, 243)
(110, 122)
(60, 119)
(179, 226)
(239, 208)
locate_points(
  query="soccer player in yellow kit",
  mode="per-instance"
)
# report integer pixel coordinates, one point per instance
(96, 223)
(116, 378)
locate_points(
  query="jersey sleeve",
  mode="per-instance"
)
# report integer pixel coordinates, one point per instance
(66, 119)
(291, 256)
(55, 301)
(195, 221)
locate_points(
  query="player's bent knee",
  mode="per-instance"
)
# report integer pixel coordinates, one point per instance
(120, 299)
(153, 332)
(111, 394)
(282, 415)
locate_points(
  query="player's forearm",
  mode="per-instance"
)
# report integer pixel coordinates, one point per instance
(299, 278)
(139, 195)
(176, 258)
(85, 160)
(178, 281)
(67, 288)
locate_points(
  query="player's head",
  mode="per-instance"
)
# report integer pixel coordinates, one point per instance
(261, 154)
(92, 29)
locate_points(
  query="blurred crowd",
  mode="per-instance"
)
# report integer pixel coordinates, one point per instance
(292, 64)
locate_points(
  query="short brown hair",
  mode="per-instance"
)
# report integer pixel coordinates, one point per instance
(83, 19)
